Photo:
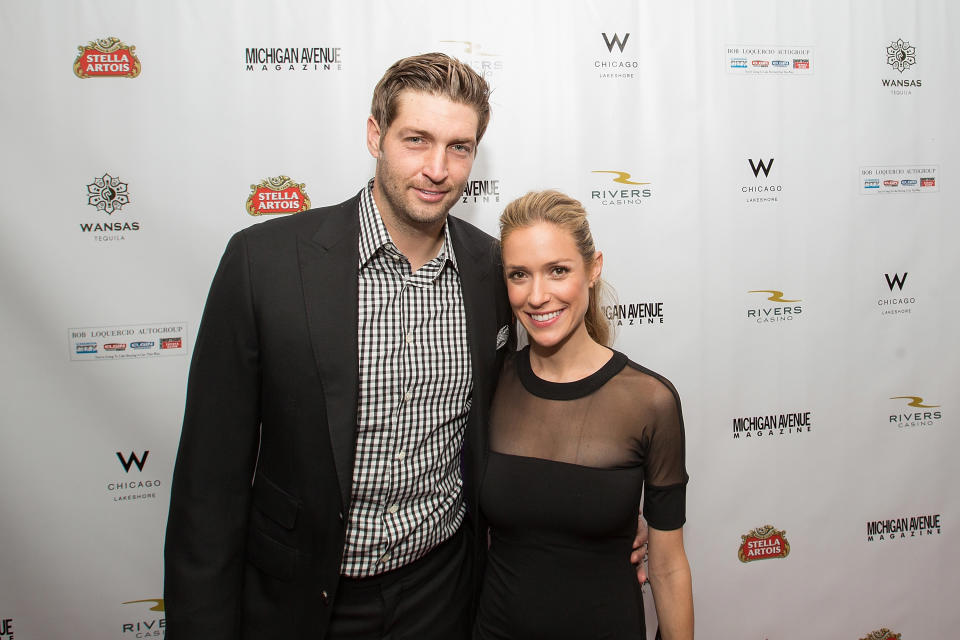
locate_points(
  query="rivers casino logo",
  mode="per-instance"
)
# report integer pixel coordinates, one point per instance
(106, 58)
(904, 527)
(902, 58)
(277, 195)
(620, 188)
(761, 190)
(763, 543)
(784, 310)
(146, 624)
(914, 411)
(881, 634)
(480, 56)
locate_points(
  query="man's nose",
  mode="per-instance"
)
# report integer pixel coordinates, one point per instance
(435, 164)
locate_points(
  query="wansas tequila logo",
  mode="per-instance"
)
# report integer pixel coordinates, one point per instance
(108, 194)
(901, 57)
(785, 309)
(106, 58)
(915, 412)
(622, 189)
(763, 543)
(277, 195)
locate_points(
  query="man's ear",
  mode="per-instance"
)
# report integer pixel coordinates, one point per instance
(373, 137)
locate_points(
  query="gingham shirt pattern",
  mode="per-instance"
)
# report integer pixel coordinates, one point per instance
(415, 384)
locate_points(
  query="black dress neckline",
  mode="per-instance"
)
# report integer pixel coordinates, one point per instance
(567, 390)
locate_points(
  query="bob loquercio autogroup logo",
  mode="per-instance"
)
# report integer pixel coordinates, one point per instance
(129, 341)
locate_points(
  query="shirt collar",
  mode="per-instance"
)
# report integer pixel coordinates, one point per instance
(374, 235)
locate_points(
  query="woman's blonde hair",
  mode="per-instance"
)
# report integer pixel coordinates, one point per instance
(568, 214)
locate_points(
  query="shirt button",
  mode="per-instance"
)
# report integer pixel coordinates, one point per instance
(401, 455)
(409, 338)
(385, 557)
(406, 396)
(393, 508)
(324, 597)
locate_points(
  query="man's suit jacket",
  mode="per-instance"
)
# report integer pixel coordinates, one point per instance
(263, 475)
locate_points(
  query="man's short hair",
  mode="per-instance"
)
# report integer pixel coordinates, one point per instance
(437, 74)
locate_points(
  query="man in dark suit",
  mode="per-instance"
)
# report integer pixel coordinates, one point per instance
(326, 481)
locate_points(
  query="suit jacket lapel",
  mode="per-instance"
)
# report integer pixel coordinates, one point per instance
(328, 266)
(476, 267)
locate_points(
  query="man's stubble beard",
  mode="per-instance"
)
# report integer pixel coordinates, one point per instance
(398, 197)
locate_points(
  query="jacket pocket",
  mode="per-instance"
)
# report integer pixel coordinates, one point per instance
(273, 558)
(275, 503)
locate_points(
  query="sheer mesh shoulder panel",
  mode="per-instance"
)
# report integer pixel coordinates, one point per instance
(622, 416)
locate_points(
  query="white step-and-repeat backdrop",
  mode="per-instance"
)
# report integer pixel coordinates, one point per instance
(771, 184)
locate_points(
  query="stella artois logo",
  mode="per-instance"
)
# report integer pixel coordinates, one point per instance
(763, 543)
(106, 58)
(277, 195)
(882, 634)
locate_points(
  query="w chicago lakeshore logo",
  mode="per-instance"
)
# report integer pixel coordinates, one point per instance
(761, 190)
(131, 487)
(613, 60)
(915, 411)
(897, 303)
(783, 309)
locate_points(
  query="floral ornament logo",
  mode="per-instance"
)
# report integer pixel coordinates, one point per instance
(107, 194)
(901, 55)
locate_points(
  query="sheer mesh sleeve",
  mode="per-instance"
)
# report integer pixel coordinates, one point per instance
(622, 416)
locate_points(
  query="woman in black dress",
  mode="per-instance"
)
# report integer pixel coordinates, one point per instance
(576, 431)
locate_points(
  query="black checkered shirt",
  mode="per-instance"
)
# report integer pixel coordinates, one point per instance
(415, 386)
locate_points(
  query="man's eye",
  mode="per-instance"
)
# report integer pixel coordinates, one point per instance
(461, 148)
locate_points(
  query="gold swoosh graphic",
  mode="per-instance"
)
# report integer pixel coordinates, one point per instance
(622, 177)
(156, 607)
(915, 401)
(776, 296)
